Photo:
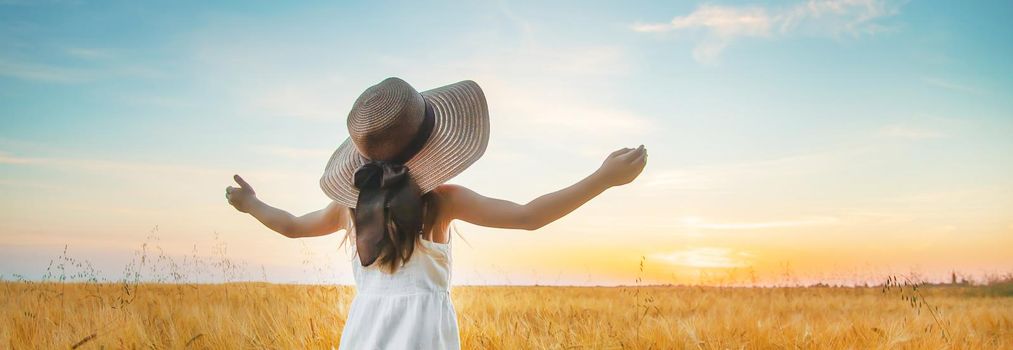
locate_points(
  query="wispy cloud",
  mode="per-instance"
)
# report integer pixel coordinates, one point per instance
(49, 73)
(723, 20)
(102, 165)
(152, 170)
(723, 24)
(538, 92)
(698, 223)
(294, 152)
(254, 78)
(42, 72)
(532, 109)
(7, 158)
(299, 100)
(522, 24)
(705, 257)
(711, 176)
(901, 131)
(551, 97)
(28, 184)
(949, 85)
(89, 53)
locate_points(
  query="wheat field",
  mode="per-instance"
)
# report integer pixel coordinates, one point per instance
(274, 316)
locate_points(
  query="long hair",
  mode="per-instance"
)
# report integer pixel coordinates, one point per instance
(398, 246)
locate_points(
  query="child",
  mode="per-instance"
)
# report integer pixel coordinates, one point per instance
(386, 183)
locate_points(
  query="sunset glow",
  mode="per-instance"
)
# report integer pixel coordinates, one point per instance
(790, 140)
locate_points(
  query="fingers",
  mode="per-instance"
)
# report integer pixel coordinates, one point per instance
(242, 183)
(640, 160)
(637, 159)
(632, 154)
(619, 152)
(627, 152)
(638, 154)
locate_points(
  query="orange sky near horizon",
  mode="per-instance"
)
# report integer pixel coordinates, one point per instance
(815, 141)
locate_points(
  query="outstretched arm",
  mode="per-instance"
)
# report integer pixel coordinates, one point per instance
(619, 168)
(318, 223)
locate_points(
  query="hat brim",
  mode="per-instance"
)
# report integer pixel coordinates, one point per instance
(459, 138)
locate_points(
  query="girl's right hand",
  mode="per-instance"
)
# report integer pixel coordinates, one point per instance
(622, 166)
(242, 197)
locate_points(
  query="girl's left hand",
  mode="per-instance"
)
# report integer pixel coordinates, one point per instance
(622, 166)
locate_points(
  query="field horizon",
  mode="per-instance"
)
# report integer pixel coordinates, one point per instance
(822, 174)
(266, 315)
(204, 301)
(150, 262)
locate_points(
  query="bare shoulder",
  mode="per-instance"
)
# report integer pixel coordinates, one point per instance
(451, 196)
(334, 207)
(450, 190)
(446, 197)
(336, 213)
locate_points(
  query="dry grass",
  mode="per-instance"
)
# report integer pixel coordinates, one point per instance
(259, 315)
(157, 304)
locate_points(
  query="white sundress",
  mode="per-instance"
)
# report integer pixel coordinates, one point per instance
(409, 309)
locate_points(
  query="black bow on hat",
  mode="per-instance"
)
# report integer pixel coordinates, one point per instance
(386, 190)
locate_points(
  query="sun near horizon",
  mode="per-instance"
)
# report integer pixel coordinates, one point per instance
(790, 141)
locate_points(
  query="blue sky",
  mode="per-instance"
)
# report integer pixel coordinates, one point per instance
(837, 135)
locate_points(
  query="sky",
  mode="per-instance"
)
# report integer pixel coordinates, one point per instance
(820, 140)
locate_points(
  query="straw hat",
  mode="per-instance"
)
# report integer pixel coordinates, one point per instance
(436, 134)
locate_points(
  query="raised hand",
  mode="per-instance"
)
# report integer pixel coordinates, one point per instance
(241, 197)
(622, 166)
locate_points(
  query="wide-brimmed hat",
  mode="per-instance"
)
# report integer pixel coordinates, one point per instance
(440, 132)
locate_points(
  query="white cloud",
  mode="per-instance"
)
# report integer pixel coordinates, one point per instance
(723, 24)
(838, 16)
(705, 257)
(722, 20)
